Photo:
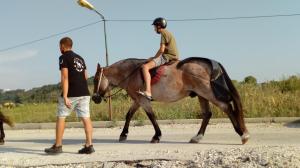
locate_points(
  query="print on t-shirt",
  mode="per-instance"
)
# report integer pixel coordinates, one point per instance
(61, 62)
(78, 64)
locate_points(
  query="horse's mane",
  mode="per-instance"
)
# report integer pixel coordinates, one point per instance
(130, 62)
(134, 59)
(134, 62)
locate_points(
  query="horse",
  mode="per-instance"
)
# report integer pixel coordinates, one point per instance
(4, 119)
(189, 77)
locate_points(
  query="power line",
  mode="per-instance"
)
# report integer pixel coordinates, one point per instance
(148, 20)
(48, 37)
(207, 19)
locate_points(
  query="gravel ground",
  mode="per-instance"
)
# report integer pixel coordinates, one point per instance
(267, 156)
(219, 148)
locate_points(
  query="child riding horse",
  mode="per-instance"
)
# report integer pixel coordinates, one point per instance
(189, 77)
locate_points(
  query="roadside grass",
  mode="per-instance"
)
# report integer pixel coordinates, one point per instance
(258, 101)
(269, 101)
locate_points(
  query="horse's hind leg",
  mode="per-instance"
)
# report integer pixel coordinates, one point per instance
(129, 115)
(2, 135)
(206, 115)
(238, 124)
(235, 117)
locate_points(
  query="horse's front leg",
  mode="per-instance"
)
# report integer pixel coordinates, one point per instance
(152, 117)
(2, 135)
(129, 115)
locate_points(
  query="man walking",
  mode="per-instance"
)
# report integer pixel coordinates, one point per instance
(74, 97)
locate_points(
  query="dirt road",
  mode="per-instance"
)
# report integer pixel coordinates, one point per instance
(269, 144)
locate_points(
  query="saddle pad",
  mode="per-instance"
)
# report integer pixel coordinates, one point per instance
(156, 74)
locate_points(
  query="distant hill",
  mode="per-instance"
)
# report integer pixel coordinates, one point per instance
(46, 93)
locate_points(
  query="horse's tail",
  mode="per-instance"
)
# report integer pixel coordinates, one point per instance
(6, 120)
(237, 103)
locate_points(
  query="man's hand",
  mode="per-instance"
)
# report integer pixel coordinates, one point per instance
(65, 86)
(67, 102)
(150, 59)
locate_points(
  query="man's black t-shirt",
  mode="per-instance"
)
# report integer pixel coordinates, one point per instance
(76, 67)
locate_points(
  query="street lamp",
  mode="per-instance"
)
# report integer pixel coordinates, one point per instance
(86, 4)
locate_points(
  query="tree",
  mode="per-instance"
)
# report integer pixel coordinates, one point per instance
(250, 80)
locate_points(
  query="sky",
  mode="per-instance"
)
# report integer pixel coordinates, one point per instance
(266, 48)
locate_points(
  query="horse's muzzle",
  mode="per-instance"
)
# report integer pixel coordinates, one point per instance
(96, 98)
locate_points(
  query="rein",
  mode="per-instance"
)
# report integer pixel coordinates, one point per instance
(101, 75)
(99, 83)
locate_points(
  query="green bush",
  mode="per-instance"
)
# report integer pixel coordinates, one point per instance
(291, 84)
(250, 80)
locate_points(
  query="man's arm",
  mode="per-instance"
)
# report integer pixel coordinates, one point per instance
(86, 75)
(160, 50)
(65, 86)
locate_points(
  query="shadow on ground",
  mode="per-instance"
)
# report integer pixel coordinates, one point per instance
(293, 124)
(95, 141)
(109, 141)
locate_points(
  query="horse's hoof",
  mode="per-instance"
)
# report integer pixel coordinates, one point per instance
(196, 138)
(1, 142)
(122, 138)
(245, 138)
(193, 141)
(155, 140)
(244, 141)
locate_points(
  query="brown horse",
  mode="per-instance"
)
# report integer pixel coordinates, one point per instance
(190, 77)
(4, 119)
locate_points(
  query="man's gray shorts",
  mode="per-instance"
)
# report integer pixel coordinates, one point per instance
(160, 61)
(81, 105)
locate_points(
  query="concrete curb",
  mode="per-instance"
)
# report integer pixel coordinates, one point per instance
(110, 124)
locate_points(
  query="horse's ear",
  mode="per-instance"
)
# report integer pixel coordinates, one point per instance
(98, 66)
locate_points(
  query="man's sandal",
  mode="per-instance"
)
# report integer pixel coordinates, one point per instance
(145, 95)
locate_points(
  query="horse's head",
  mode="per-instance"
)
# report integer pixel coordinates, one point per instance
(101, 85)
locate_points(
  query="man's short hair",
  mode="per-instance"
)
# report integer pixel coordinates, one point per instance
(66, 41)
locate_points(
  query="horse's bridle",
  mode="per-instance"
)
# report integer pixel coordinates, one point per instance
(101, 76)
(99, 82)
(98, 86)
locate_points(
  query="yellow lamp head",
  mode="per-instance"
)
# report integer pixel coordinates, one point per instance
(86, 4)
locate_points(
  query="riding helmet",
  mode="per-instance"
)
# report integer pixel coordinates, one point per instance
(162, 22)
